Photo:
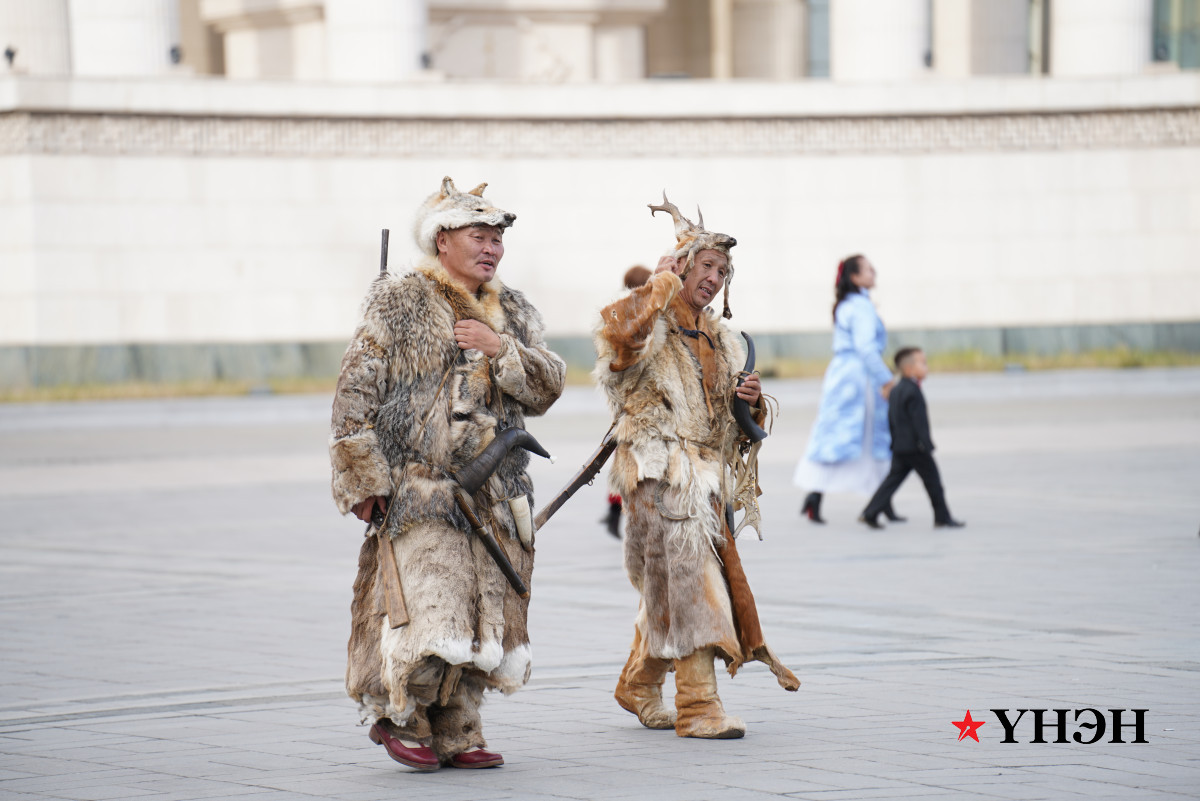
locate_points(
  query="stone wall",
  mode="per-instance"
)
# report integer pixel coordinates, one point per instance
(145, 216)
(27, 366)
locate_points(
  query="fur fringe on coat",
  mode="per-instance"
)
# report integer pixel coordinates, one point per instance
(675, 432)
(461, 607)
(672, 425)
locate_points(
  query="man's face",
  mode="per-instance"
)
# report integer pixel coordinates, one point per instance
(471, 255)
(706, 278)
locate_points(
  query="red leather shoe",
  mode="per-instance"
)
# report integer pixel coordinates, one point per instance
(419, 758)
(476, 759)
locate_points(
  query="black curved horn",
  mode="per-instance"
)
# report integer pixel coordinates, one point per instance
(741, 409)
(473, 476)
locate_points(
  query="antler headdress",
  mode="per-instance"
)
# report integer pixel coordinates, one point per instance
(691, 238)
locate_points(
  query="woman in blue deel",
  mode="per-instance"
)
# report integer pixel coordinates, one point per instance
(850, 448)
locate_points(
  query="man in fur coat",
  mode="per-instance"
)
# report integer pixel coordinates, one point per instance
(446, 356)
(670, 369)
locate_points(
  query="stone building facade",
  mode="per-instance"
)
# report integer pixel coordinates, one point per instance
(194, 188)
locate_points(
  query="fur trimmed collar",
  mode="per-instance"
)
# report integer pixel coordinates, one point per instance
(483, 306)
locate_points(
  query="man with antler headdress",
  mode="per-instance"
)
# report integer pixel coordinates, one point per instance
(671, 370)
(445, 364)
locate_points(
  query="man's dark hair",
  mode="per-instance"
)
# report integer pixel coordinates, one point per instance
(902, 355)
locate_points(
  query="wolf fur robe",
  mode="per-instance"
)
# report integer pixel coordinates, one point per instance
(400, 431)
(672, 397)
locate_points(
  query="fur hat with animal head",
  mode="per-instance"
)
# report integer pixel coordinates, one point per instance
(691, 238)
(448, 209)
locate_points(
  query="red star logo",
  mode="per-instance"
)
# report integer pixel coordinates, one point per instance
(968, 727)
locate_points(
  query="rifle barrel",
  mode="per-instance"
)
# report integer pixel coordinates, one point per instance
(585, 476)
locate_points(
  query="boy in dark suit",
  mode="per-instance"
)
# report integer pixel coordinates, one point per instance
(912, 446)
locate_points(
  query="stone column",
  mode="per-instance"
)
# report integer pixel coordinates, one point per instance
(380, 41)
(871, 40)
(619, 52)
(721, 49)
(1100, 37)
(952, 38)
(39, 35)
(129, 38)
(768, 39)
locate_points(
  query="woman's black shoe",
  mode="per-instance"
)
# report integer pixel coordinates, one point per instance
(812, 507)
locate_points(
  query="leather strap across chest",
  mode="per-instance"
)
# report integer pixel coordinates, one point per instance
(696, 339)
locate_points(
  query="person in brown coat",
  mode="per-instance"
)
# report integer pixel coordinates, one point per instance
(670, 369)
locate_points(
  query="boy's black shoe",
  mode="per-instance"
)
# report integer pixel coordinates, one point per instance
(869, 521)
(951, 523)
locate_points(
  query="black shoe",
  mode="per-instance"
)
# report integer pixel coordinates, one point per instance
(891, 515)
(950, 523)
(812, 507)
(870, 522)
(612, 520)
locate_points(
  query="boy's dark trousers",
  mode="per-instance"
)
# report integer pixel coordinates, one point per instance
(902, 465)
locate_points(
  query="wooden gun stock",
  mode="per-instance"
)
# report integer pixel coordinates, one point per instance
(389, 572)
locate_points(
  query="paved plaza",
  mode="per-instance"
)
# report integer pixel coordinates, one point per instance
(175, 590)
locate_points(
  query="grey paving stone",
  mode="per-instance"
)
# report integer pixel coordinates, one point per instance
(186, 789)
(175, 623)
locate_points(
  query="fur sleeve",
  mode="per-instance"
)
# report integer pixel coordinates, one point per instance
(627, 326)
(524, 368)
(359, 467)
(533, 375)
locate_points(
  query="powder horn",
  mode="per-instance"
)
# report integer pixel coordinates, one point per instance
(741, 409)
(474, 475)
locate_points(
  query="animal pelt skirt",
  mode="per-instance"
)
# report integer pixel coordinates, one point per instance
(694, 593)
(467, 632)
(685, 604)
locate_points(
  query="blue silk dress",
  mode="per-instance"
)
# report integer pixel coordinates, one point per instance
(850, 448)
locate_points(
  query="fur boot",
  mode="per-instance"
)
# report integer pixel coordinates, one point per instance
(639, 690)
(700, 713)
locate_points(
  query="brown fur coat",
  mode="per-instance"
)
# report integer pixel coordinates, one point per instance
(461, 608)
(675, 431)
